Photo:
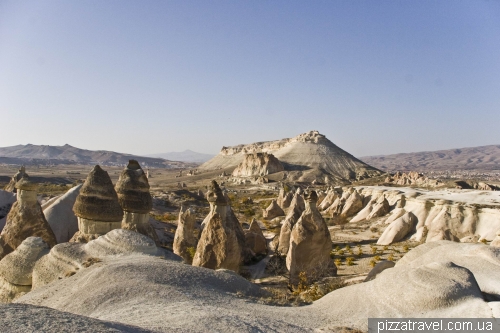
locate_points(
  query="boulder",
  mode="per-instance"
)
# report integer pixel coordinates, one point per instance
(254, 238)
(96, 207)
(398, 229)
(184, 239)
(25, 219)
(132, 189)
(258, 164)
(272, 211)
(222, 241)
(310, 244)
(60, 216)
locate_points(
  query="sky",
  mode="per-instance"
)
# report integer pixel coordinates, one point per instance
(145, 77)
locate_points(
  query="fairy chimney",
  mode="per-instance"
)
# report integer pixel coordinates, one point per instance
(222, 241)
(184, 239)
(310, 244)
(11, 186)
(96, 207)
(25, 219)
(132, 189)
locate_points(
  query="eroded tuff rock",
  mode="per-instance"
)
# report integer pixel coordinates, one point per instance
(330, 198)
(258, 164)
(310, 244)
(450, 214)
(379, 268)
(66, 259)
(7, 199)
(369, 202)
(398, 229)
(272, 211)
(11, 186)
(412, 178)
(353, 205)
(184, 239)
(25, 219)
(97, 207)
(284, 199)
(296, 208)
(60, 216)
(381, 208)
(132, 189)
(321, 197)
(16, 269)
(222, 241)
(255, 239)
(496, 241)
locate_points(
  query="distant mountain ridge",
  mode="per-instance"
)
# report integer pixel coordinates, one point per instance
(185, 156)
(46, 154)
(482, 158)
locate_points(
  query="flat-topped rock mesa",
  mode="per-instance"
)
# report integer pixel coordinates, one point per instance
(307, 157)
(258, 164)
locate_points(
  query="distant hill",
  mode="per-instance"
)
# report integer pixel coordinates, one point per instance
(307, 157)
(43, 154)
(483, 158)
(185, 156)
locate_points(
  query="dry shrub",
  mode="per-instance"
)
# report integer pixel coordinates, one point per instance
(90, 261)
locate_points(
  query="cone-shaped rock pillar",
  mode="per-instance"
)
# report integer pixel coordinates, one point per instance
(310, 244)
(25, 219)
(222, 242)
(296, 208)
(132, 189)
(11, 186)
(97, 207)
(184, 240)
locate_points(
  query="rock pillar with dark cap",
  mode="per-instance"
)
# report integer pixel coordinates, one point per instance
(222, 242)
(25, 219)
(96, 207)
(11, 186)
(134, 198)
(310, 244)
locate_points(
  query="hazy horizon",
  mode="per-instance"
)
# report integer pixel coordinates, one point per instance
(147, 78)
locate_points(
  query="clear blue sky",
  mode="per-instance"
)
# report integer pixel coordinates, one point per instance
(376, 77)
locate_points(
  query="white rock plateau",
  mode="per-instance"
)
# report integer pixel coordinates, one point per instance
(450, 214)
